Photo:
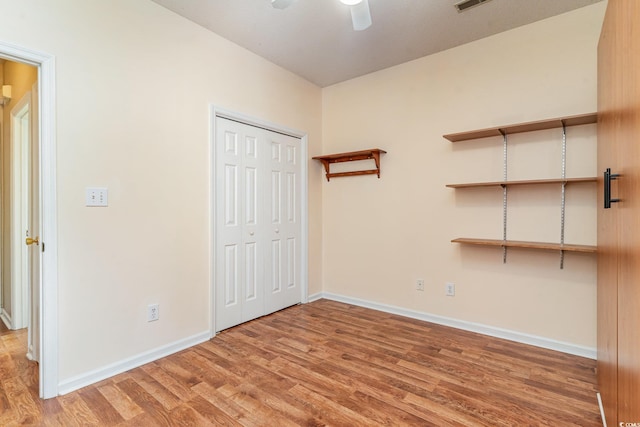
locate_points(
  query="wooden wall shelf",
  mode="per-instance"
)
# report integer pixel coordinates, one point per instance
(524, 182)
(373, 153)
(582, 119)
(528, 245)
(504, 131)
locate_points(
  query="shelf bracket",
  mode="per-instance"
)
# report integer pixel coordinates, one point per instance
(376, 159)
(325, 163)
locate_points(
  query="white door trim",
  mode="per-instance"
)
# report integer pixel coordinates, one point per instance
(252, 121)
(49, 229)
(20, 171)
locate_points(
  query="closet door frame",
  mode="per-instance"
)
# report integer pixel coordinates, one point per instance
(218, 112)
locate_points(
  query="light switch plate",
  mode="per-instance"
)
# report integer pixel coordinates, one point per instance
(96, 196)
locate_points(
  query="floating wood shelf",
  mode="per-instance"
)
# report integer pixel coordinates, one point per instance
(523, 182)
(373, 153)
(528, 245)
(582, 119)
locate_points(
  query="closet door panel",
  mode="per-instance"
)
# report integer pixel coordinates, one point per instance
(258, 228)
(286, 272)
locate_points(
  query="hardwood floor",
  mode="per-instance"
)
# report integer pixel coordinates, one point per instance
(324, 363)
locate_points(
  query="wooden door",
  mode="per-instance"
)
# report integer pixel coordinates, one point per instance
(629, 213)
(619, 227)
(609, 93)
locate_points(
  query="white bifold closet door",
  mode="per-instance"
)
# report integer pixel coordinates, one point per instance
(258, 253)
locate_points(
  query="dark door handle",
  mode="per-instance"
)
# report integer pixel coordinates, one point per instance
(608, 177)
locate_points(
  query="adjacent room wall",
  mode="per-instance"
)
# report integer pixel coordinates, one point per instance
(134, 85)
(380, 236)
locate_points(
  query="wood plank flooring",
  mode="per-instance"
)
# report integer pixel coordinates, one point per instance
(323, 363)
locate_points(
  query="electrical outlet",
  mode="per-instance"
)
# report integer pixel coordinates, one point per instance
(97, 197)
(420, 285)
(153, 312)
(450, 289)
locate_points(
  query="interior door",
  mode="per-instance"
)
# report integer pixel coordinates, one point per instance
(20, 189)
(619, 226)
(239, 245)
(34, 230)
(284, 266)
(628, 25)
(609, 93)
(257, 222)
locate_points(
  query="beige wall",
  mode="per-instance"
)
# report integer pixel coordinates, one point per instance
(134, 83)
(21, 77)
(380, 236)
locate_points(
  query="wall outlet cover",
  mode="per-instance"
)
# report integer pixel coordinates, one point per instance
(97, 196)
(153, 312)
(450, 289)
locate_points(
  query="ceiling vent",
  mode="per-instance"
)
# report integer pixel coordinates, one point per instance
(468, 4)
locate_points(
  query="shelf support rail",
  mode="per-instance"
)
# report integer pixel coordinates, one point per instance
(564, 183)
(504, 195)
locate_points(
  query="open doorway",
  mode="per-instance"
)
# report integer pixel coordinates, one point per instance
(38, 120)
(19, 215)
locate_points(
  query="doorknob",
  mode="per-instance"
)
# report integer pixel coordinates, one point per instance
(31, 241)
(608, 177)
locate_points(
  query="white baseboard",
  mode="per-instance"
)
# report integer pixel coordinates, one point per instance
(492, 331)
(6, 319)
(604, 419)
(315, 297)
(91, 377)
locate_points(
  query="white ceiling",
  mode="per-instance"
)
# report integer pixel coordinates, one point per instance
(315, 38)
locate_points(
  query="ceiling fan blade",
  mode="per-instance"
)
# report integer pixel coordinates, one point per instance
(282, 4)
(360, 15)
